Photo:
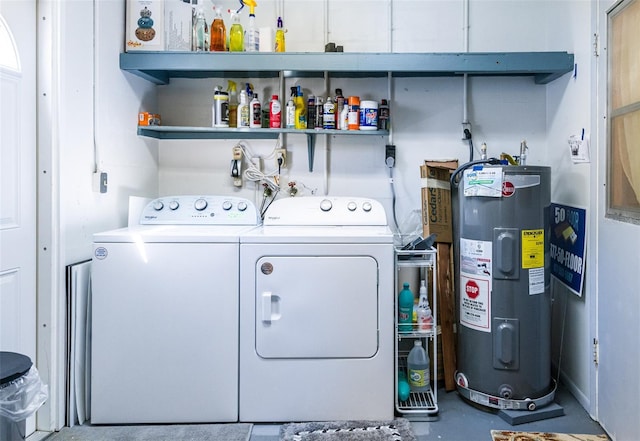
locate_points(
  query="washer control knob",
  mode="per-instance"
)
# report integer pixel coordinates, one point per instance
(242, 206)
(226, 205)
(158, 205)
(326, 205)
(173, 205)
(200, 204)
(351, 206)
(366, 206)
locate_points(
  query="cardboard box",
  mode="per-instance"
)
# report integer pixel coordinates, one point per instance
(145, 25)
(436, 199)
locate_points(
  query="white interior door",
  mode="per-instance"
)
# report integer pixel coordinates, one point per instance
(18, 179)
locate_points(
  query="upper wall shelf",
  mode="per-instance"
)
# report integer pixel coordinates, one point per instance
(160, 67)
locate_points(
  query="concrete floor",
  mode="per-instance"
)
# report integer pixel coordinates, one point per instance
(459, 421)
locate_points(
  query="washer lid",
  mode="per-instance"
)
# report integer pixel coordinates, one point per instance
(174, 234)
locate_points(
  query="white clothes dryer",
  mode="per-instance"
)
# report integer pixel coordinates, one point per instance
(165, 302)
(317, 312)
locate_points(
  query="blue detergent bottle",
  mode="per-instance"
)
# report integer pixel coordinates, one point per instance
(405, 309)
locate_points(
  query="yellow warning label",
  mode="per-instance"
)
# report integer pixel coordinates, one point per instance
(532, 248)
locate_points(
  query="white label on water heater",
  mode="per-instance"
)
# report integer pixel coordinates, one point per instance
(536, 281)
(475, 284)
(480, 181)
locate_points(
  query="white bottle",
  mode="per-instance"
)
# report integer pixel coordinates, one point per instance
(344, 118)
(252, 36)
(424, 315)
(290, 115)
(255, 113)
(418, 371)
(243, 110)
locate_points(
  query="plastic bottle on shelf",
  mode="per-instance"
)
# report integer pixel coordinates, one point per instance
(201, 32)
(290, 113)
(266, 109)
(236, 34)
(301, 109)
(255, 113)
(339, 103)
(383, 115)
(311, 110)
(418, 368)
(275, 113)
(354, 113)
(252, 37)
(243, 110)
(425, 317)
(280, 44)
(329, 114)
(403, 386)
(218, 33)
(233, 103)
(318, 115)
(344, 117)
(405, 309)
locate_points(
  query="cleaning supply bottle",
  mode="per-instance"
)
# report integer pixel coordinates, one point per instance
(252, 37)
(255, 114)
(405, 308)
(354, 113)
(418, 368)
(311, 110)
(339, 101)
(218, 33)
(318, 114)
(344, 117)
(280, 47)
(233, 103)
(290, 116)
(403, 386)
(301, 109)
(383, 115)
(243, 110)
(329, 114)
(425, 317)
(275, 113)
(201, 32)
(236, 34)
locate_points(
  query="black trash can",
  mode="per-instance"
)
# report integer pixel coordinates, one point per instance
(21, 394)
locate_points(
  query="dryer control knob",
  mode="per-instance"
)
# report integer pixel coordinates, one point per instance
(351, 206)
(366, 206)
(242, 206)
(173, 205)
(158, 205)
(326, 205)
(200, 204)
(226, 205)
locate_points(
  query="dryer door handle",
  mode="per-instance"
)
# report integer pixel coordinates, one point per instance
(270, 307)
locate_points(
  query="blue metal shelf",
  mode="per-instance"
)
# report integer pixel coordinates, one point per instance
(160, 67)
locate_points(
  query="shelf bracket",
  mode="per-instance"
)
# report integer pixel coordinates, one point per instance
(311, 148)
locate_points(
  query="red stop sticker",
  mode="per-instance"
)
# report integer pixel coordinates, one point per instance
(472, 289)
(508, 189)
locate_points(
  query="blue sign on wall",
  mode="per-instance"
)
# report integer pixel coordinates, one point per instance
(567, 245)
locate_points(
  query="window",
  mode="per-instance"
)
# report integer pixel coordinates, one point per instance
(8, 52)
(623, 174)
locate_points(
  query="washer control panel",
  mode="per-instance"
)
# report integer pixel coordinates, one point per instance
(327, 210)
(199, 210)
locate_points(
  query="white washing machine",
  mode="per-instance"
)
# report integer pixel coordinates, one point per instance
(316, 312)
(165, 302)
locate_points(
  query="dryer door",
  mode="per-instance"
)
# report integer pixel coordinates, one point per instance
(316, 307)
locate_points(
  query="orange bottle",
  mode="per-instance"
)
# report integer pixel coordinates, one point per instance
(354, 113)
(218, 33)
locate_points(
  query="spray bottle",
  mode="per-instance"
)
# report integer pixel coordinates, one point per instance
(290, 116)
(301, 109)
(236, 34)
(233, 104)
(280, 46)
(252, 37)
(201, 32)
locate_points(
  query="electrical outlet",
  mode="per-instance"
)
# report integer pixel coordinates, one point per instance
(99, 181)
(281, 158)
(237, 153)
(390, 155)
